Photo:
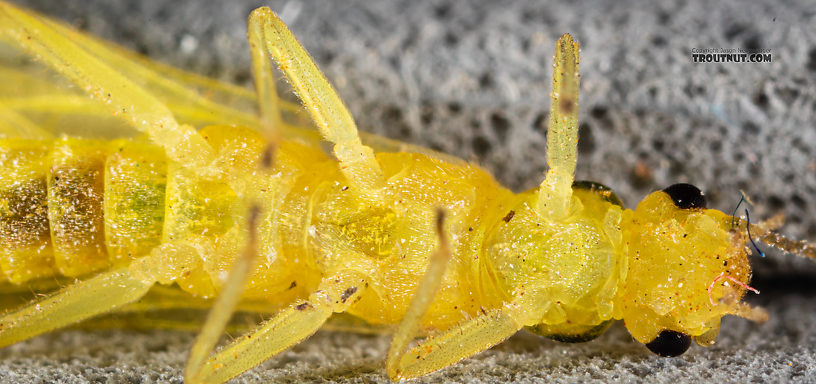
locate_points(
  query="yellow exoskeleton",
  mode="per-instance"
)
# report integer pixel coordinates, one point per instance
(247, 208)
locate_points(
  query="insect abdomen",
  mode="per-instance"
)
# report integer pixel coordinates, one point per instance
(25, 240)
(134, 204)
(74, 206)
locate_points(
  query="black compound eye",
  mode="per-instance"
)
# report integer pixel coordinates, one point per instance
(670, 344)
(686, 196)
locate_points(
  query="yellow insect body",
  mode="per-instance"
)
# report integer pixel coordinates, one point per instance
(257, 211)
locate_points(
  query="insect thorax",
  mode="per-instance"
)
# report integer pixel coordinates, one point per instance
(566, 273)
(393, 239)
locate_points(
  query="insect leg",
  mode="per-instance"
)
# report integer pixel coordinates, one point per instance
(319, 98)
(459, 342)
(409, 327)
(555, 192)
(268, 103)
(72, 304)
(290, 326)
(439, 351)
(221, 312)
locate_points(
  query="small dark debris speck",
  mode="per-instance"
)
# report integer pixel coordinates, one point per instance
(347, 293)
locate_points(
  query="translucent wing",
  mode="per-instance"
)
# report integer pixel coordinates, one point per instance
(35, 102)
(46, 99)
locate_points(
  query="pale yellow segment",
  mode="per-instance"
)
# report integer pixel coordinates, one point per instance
(562, 136)
(197, 206)
(25, 239)
(200, 216)
(205, 214)
(75, 211)
(135, 183)
(321, 101)
(122, 97)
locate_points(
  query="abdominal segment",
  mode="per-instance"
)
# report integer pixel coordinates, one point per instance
(72, 207)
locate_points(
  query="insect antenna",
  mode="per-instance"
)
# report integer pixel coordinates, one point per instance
(767, 235)
(797, 247)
